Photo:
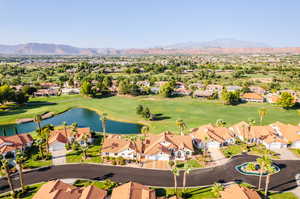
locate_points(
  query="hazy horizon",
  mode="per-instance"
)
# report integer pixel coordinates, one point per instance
(144, 24)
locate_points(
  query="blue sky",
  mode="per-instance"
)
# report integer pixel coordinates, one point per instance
(147, 23)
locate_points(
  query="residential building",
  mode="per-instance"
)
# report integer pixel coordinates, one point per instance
(214, 88)
(132, 190)
(290, 133)
(70, 91)
(181, 92)
(233, 88)
(241, 130)
(252, 97)
(10, 144)
(167, 146)
(116, 146)
(210, 136)
(236, 191)
(272, 98)
(59, 138)
(46, 92)
(60, 190)
(257, 90)
(203, 93)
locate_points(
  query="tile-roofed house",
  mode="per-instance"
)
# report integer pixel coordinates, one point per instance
(181, 91)
(272, 98)
(233, 88)
(60, 190)
(14, 142)
(236, 191)
(115, 146)
(167, 145)
(241, 130)
(132, 190)
(266, 135)
(212, 136)
(288, 132)
(257, 90)
(252, 97)
(203, 93)
(58, 138)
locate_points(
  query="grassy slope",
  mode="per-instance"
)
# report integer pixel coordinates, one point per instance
(193, 111)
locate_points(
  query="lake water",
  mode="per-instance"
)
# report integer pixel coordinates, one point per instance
(83, 117)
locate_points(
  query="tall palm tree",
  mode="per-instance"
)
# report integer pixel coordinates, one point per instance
(84, 149)
(187, 170)
(39, 142)
(74, 131)
(145, 130)
(270, 169)
(263, 162)
(133, 139)
(37, 120)
(181, 125)
(5, 169)
(46, 134)
(20, 160)
(216, 189)
(103, 121)
(175, 172)
(262, 113)
(65, 130)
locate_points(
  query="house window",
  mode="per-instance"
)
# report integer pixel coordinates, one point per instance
(107, 153)
(116, 154)
(187, 153)
(134, 156)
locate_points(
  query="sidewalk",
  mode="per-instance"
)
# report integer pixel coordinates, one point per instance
(286, 154)
(217, 156)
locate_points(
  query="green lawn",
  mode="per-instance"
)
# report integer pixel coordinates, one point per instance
(190, 193)
(92, 153)
(194, 112)
(192, 163)
(233, 150)
(287, 195)
(32, 189)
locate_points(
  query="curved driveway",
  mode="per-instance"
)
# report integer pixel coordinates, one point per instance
(284, 180)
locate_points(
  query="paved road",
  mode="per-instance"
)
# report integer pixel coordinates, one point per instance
(284, 180)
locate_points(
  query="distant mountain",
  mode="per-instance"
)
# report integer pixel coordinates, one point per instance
(218, 43)
(45, 49)
(220, 46)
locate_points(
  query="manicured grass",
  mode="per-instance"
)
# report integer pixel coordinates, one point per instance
(296, 152)
(286, 195)
(92, 153)
(192, 163)
(233, 150)
(32, 189)
(30, 163)
(190, 193)
(194, 112)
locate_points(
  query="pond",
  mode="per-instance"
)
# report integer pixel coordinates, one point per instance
(83, 117)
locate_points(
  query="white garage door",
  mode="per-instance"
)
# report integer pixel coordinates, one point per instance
(213, 145)
(275, 145)
(159, 157)
(56, 146)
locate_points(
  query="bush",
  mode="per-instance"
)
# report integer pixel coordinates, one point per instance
(114, 162)
(68, 146)
(120, 161)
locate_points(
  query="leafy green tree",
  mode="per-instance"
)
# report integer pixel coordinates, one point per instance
(20, 98)
(29, 90)
(286, 100)
(139, 109)
(220, 123)
(145, 130)
(6, 94)
(107, 82)
(86, 88)
(230, 98)
(146, 113)
(166, 90)
(123, 87)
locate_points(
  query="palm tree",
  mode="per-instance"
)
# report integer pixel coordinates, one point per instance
(220, 123)
(103, 121)
(37, 120)
(175, 172)
(216, 189)
(46, 134)
(5, 169)
(20, 160)
(133, 139)
(181, 125)
(270, 169)
(84, 149)
(40, 143)
(262, 113)
(74, 131)
(65, 130)
(145, 130)
(187, 170)
(262, 162)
